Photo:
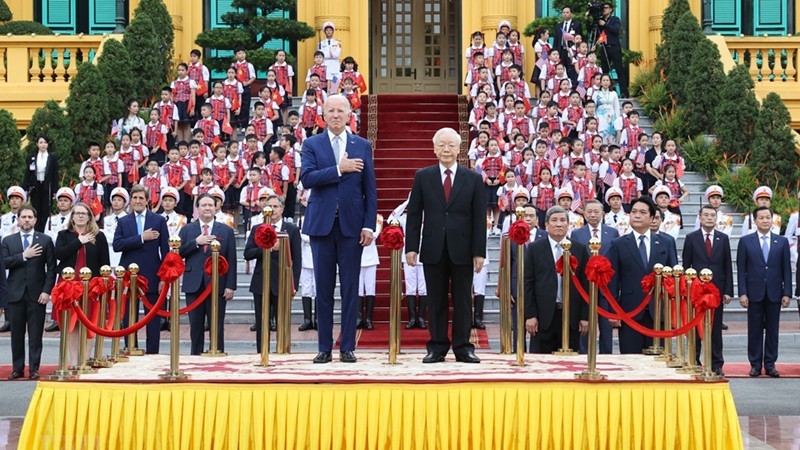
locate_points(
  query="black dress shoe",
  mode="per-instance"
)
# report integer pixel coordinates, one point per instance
(253, 327)
(322, 358)
(34, 375)
(50, 328)
(421, 324)
(348, 357)
(755, 372)
(307, 325)
(724, 327)
(432, 358)
(15, 375)
(468, 357)
(479, 325)
(6, 327)
(718, 372)
(165, 325)
(773, 373)
(368, 325)
(411, 325)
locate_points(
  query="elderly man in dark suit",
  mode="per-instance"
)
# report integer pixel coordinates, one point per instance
(452, 199)
(252, 251)
(532, 219)
(30, 259)
(196, 239)
(595, 228)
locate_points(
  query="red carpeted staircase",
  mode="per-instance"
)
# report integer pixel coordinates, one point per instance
(402, 129)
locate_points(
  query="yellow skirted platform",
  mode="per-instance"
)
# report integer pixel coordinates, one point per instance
(492, 415)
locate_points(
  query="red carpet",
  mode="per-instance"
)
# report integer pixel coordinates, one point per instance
(44, 371)
(742, 370)
(410, 339)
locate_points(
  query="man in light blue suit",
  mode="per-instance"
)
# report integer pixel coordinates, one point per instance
(595, 228)
(765, 285)
(340, 220)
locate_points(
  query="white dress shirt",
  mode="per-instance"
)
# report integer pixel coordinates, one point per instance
(558, 251)
(646, 241)
(41, 165)
(453, 170)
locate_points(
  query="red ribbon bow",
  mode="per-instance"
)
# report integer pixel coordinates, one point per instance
(223, 266)
(99, 286)
(171, 268)
(519, 232)
(599, 270)
(265, 236)
(392, 237)
(573, 264)
(64, 293)
(705, 296)
(141, 281)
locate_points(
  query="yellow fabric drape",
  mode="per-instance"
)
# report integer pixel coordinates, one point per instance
(547, 415)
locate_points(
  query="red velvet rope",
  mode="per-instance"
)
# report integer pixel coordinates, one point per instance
(223, 269)
(647, 331)
(125, 331)
(602, 312)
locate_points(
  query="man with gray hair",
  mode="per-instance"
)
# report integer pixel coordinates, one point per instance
(453, 201)
(544, 296)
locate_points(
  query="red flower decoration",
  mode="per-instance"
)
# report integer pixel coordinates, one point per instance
(573, 264)
(65, 293)
(141, 282)
(519, 232)
(98, 286)
(392, 237)
(705, 296)
(675, 203)
(668, 286)
(172, 268)
(648, 282)
(599, 270)
(223, 266)
(265, 236)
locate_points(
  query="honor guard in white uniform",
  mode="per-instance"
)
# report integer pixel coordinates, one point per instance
(671, 223)
(416, 289)
(762, 196)
(65, 198)
(332, 49)
(9, 223)
(119, 204)
(713, 197)
(366, 280)
(617, 218)
(175, 221)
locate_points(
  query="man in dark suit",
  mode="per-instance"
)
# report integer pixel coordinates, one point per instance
(563, 37)
(611, 53)
(41, 180)
(30, 259)
(196, 239)
(765, 285)
(340, 220)
(453, 201)
(633, 256)
(532, 219)
(143, 238)
(543, 288)
(707, 248)
(252, 251)
(655, 226)
(595, 228)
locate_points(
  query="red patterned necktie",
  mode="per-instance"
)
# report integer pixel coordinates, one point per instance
(448, 185)
(708, 244)
(205, 233)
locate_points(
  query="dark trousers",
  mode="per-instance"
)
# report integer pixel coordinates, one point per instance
(605, 343)
(716, 342)
(244, 113)
(291, 201)
(441, 277)
(273, 304)
(153, 328)
(548, 340)
(26, 315)
(762, 318)
(613, 54)
(631, 341)
(41, 200)
(328, 252)
(197, 321)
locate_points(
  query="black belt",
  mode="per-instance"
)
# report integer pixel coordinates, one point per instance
(559, 305)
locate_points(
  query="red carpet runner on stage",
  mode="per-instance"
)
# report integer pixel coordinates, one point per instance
(402, 127)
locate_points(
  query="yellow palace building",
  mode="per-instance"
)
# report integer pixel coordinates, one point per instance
(402, 46)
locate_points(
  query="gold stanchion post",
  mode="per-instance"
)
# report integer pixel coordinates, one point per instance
(679, 360)
(288, 281)
(666, 302)
(690, 365)
(565, 350)
(213, 349)
(505, 298)
(99, 360)
(591, 372)
(116, 355)
(265, 290)
(175, 373)
(520, 212)
(284, 328)
(82, 367)
(707, 374)
(63, 373)
(395, 297)
(656, 348)
(133, 308)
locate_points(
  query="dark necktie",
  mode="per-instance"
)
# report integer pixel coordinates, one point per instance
(643, 249)
(25, 242)
(615, 218)
(708, 244)
(62, 220)
(13, 219)
(448, 185)
(594, 233)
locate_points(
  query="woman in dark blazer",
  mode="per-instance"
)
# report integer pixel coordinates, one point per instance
(41, 180)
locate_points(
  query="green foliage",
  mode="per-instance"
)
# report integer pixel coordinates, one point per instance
(117, 70)
(704, 74)
(672, 13)
(87, 107)
(739, 109)
(773, 149)
(251, 29)
(631, 57)
(548, 23)
(11, 157)
(24, 27)
(5, 16)
(646, 78)
(162, 22)
(701, 155)
(685, 39)
(655, 99)
(738, 185)
(784, 203)
(144, 47)
(51, 121)
(672, 124)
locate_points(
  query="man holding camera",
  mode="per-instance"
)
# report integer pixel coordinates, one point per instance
(611, 52)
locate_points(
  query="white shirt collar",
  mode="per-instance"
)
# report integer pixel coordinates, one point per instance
(342, 136)
(553, 243)
(760, 236)
(453, 169)
(636, 235)
(210, 225)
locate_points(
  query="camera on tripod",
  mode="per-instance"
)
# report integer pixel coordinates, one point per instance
(595, 11)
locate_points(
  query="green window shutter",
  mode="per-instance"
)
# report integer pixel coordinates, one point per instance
(102, 16)
(769, 17)
(726, 17)
(547, 10)
(59, 15)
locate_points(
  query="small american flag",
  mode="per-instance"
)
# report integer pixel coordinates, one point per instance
(639, 157)
(540, 63)
(581, 90)
(610, 177)
(576, 202)
(551, 154)
(114, 128)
